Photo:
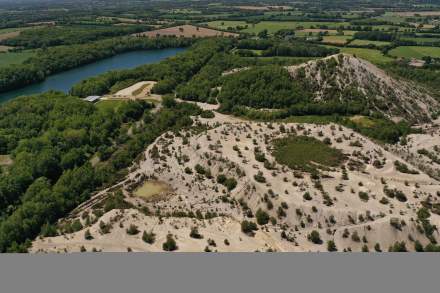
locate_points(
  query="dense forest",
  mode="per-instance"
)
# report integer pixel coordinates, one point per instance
(272, 87)
(299, 50)
(168, 75)
(262, 87)
(68, 35)
(56, 59)
(202, 86)
(52, 138)
(375, 36)
(428, 76)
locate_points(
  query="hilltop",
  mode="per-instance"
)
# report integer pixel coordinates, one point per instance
(346, 77)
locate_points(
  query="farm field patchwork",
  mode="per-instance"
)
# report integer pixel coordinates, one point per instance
(274, 26)
(187, 31)
(421, 39)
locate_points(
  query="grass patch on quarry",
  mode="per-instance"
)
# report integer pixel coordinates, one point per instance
(113, 105)
(306, 153)
(150, 189)
(363, 121)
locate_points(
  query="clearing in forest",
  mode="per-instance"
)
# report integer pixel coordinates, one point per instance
(5, 160)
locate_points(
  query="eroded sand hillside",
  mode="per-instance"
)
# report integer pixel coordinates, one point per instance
(222, 172)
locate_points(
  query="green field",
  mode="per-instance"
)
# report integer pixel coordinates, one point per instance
(109, 104)
(9, 30)
(421, 39)
(336, 39)
(14, 57)
(372, 55)
(415, 52)
(271, 26)
(368, 42)
(306, 153)
(391, 17)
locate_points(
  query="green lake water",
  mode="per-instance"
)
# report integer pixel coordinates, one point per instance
(63, 81)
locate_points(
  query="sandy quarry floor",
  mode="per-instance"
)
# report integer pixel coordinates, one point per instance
(222, 211)
(139, 90)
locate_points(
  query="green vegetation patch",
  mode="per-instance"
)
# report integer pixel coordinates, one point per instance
(262, 87)
(272, 26)
(112, 105)
(12, 58)
(306, 153)
(339, 40)
(415, 52)
(372, 55)
(369, 42)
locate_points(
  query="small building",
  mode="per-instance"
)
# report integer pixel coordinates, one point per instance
(92, 99)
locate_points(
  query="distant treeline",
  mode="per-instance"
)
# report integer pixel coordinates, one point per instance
(276, 47)
(68, 35)
(299, 50)
(56, 59)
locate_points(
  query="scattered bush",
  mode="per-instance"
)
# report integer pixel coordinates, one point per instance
(248, 227)
(132, 230)
(331, 246)
(262, 217)
(149, 237)
(314, 237)
(169, 244)
(195, 233)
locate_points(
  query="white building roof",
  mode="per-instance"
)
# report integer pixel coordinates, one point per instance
(92, 98)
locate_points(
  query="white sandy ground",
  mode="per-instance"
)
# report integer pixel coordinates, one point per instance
(213, 149)
(129, 93)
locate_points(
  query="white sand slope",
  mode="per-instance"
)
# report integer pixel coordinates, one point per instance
(171, 156)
